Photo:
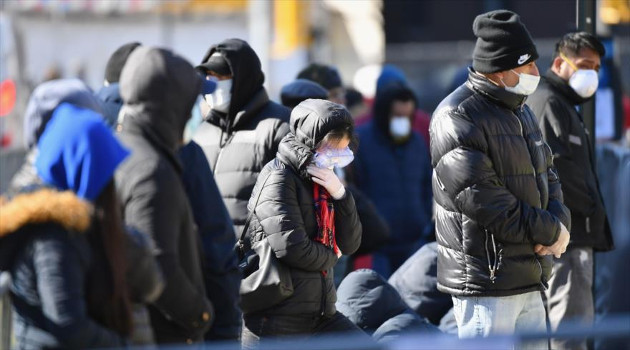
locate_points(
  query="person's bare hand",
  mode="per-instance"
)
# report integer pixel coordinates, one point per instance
(558, 248)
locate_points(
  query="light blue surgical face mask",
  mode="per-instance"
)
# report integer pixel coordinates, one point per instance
(330, 158)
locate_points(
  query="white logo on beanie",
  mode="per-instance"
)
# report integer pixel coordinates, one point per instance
(524, 58)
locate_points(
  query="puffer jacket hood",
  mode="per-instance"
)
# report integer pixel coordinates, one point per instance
(383, 104)
(367, 300)
(247, 74)
(159, 89)
(306, 132)
(46, 97)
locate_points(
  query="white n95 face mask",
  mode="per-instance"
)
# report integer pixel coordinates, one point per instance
(220, 99)
(583, 81)
(400, 126)
(527, 84)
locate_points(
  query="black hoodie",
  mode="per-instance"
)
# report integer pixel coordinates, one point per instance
(239, 144)
(159, 89)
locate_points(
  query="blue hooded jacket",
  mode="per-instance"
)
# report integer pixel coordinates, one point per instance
(78, 152)
(397, 178)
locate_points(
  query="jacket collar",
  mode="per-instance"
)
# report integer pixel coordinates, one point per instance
(44, 206)
(496, 94)
(244, 115)
(562, 87)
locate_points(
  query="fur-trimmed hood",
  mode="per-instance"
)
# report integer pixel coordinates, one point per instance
(40, 207)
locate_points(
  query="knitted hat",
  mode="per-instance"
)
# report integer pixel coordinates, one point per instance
(503, 42)
(117, 62)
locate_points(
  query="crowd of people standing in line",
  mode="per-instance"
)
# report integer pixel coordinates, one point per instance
(117, 231)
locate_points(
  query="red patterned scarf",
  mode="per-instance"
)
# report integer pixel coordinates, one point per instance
(325, 213)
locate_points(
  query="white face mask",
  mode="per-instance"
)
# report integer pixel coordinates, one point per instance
(330, 158)
(400, 126)
(527, 84)
(584, 82)
(220, 99)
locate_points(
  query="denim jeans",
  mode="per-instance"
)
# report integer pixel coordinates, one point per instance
(257, 327)
(483, 316)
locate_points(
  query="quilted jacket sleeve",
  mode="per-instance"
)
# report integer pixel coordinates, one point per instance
(467, 182)
(279, 214)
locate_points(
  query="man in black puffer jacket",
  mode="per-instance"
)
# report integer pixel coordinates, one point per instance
(242, 128)
(499, 201)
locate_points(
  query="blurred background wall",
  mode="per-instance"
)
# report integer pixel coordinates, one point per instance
(431, 40)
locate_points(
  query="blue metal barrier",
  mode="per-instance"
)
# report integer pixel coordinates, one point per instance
(616, 328)
(612, 282)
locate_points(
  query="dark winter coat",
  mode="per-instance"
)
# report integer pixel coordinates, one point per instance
(397, 178)
(220, 265)
(375, 232)
(239, 144)
(285, 213)
(367, 300)
(496, 190)
(416, 281)
(159, 90)
(44, 245)
(563, 129)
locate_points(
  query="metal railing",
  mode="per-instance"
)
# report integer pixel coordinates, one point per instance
(5, 311)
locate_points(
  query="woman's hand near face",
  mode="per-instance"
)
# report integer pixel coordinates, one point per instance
(328, 179)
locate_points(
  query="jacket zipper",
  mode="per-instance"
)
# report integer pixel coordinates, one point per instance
(322, 308)
(216, 164)
(493, 267)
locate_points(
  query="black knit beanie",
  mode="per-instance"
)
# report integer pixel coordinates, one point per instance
(503, 42)
(117, 61)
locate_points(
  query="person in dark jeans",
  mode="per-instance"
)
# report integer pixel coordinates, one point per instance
(309, 220)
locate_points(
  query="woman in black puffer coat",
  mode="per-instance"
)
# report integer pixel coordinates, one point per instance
(293, 221)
